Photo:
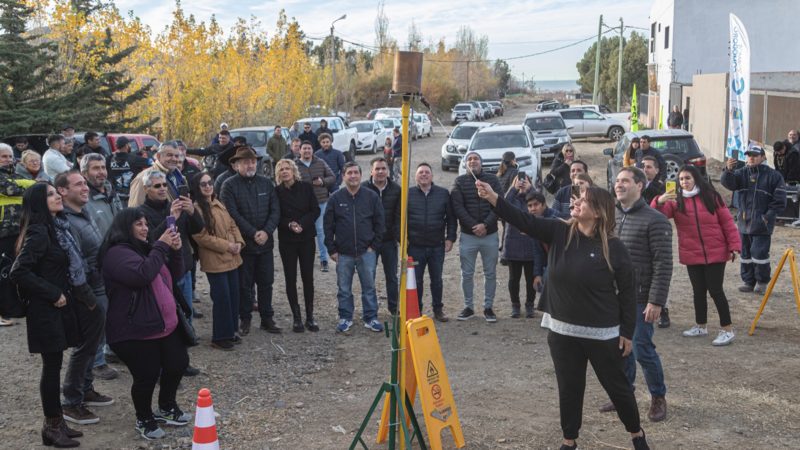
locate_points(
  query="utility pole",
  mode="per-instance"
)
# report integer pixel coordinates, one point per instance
(333, 66)
(597, 62)
(619, 66)
(523, 82)
(467, 80)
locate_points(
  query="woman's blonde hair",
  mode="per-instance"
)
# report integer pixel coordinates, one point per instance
(27, 154)
(288, 162)
(602, 203)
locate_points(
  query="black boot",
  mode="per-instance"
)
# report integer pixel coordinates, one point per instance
(53, 434)
(69, 431)
(529, 311)
(297, 321)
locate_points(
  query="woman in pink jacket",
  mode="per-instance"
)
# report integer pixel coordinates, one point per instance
(707, 239)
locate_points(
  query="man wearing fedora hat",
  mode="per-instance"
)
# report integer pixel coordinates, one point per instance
(252, 201)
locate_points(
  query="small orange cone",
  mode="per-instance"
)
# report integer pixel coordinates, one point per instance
(205, 426)
(412, 301)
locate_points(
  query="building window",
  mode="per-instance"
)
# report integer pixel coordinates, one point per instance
(652, 37)
(666, 37)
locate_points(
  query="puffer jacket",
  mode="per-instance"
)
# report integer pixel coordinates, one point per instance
(253, 203)
(431, 219)
(761, 195)
(518, 246)
(647, 235)
(335, 160)
(390, 198)
(22, 171)
(12, 186)
(703, 237)
(353, 223)
(89, 238)
(471, 209)
(318, 168)
(212, 249)
(103, 206)
(562, 201)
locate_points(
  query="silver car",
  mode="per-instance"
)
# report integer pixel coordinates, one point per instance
(587, 123)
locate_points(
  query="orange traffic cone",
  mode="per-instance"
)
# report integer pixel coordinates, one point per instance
(412, 301)
(205, 426)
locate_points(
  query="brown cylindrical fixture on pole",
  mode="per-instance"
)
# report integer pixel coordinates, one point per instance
(407, 73)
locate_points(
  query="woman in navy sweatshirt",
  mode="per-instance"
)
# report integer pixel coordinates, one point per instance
(588, 302)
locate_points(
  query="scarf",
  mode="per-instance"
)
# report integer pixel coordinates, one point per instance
(689, 194)
(77, 265)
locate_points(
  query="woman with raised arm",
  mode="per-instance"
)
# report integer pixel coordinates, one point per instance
(588, 303)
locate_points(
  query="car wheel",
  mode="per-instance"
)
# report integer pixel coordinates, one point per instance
(615, 133)
(352, 151)
(374, 147)
(673, 166)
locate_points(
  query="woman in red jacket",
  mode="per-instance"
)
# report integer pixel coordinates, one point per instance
(707, 239)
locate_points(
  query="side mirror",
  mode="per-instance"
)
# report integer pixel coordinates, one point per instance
(569, 127)
(608, 151)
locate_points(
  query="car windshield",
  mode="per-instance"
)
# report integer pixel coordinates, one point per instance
(417, 117)
(254, 138)
(545, 123)
(462, 107)
(494, 140)
(673, 146)
(314, 125)
(363, 127)
(463, 132)
(387, 123)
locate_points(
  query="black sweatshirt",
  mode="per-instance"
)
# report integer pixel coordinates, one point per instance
(580, 289)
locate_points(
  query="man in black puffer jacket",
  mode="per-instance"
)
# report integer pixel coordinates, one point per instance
(389, 192)
(252, 202)
(478, 234)
(432, 228)
(647, 234)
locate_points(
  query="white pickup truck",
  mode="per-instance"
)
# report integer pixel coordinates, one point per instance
(344, 137)
(606, 111)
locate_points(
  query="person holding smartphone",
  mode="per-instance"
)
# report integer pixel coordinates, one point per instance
(589, 304)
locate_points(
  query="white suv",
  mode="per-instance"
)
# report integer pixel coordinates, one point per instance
(463, 111)
(459, 137)
(492, 142)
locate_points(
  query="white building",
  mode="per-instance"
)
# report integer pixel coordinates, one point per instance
(690, 37)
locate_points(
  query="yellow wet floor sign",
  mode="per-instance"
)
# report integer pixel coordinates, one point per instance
(438, 405)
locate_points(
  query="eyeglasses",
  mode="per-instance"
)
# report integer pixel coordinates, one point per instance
(206, 184)
(159, 185)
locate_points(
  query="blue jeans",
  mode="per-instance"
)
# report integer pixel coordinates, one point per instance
(185, 285)
(345, 269)
(388, 255)
(644, 351)
(100, 356)
(433, 259)
(224, 289)
(323, 251)
(469, 248)
(755, 258)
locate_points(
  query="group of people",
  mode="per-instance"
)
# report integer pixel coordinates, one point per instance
(113, 275)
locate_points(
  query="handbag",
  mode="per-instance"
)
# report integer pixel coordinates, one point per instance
(12, 302)
(185, 328)
(551, 183)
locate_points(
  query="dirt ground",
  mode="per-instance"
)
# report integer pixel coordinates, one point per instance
(311, 391)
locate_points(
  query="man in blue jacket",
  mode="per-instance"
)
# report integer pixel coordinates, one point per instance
(761, 195)
(354, 227)
(334, 158)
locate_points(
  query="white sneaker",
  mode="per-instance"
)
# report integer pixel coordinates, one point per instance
(696, 331)
(723, 338)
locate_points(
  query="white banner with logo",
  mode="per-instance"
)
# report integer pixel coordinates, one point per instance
(739, 91)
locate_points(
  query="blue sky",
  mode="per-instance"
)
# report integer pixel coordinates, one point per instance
(514, 27)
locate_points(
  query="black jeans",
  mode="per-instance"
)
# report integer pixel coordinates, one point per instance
(570, 355)
(709, 278)
(433, 259)
(50, 383)
(259, 270)
(515, 271)
(388, 256)
(291, 253)
(79, 377)
(148, 360)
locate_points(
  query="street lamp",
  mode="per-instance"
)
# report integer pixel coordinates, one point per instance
(333, 65)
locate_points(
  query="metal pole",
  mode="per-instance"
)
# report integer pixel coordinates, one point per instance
(597, 62)
(406, 164)
(333, 70)
(619, 66)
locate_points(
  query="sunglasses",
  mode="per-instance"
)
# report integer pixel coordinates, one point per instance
(159, 185)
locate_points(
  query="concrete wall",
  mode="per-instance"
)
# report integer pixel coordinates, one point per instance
(708, 113)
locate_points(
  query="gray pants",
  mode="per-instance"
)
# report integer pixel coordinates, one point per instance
(79, 378)
(469, 248)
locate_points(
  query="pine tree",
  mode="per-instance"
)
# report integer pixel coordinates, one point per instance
(30, 101)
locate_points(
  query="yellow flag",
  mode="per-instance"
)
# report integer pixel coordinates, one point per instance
(634, 111)
(661, 118)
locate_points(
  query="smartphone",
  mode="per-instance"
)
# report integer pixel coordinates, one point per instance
(670, 186)
(183, 190)
(171, 223)
(575, 191)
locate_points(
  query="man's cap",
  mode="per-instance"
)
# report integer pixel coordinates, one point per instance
(67, 127)
(223, 125)
(122, 141)
(755, 150)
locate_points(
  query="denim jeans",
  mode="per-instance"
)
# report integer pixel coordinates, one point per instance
(388, 255)
(224, 288)
(79, 378)
(345, 269)
(469, 248)
(755, 258)
(100, 355)
(259, 270)
(185, 285)
(644, 351)
(433, 259)
(323, 251)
